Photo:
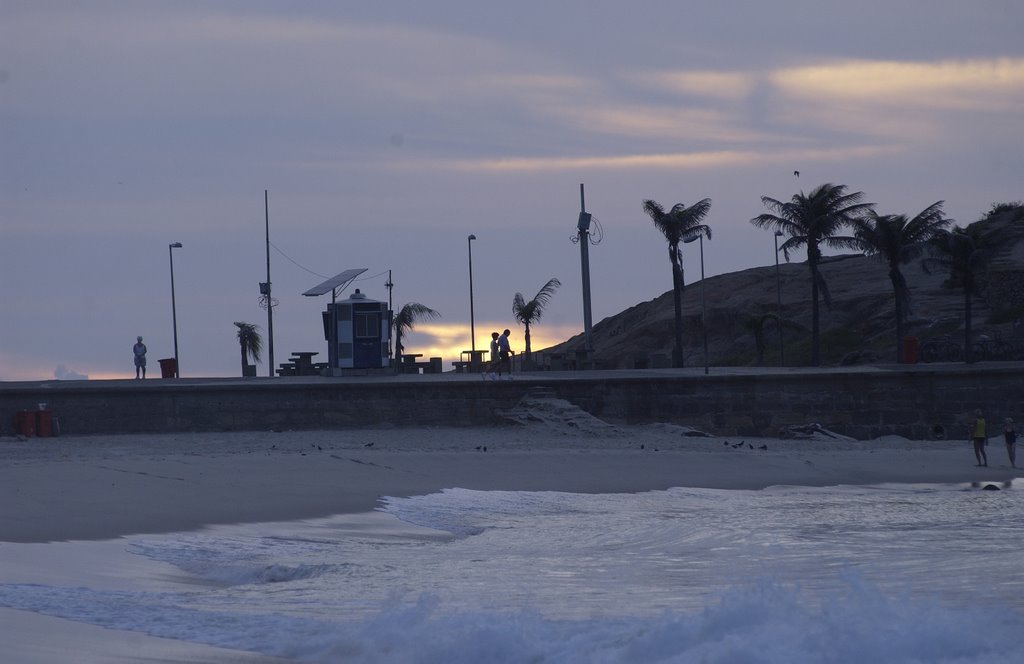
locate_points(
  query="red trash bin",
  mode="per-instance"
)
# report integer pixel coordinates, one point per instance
(909, 350)
(44, 423)
(168, 367)
(26, 420)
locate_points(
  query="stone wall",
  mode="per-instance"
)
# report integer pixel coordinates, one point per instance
(915, 402)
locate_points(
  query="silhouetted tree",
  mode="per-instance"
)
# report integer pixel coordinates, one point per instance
(898, 241)
(530, 312)
(813, 220)
(678, 224)
(962, 253)
(251, 343)
(404, 320)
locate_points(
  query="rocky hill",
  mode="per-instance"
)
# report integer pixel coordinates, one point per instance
(857, 328)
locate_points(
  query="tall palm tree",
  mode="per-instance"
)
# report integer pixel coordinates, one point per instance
(530, 312)
(813, 220)
(251, 343)
(962, 252)
(404, 320)
(678, 224)
(897, 241)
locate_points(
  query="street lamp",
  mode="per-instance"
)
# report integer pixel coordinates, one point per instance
(703, 302)
(472, 329)
(174, 311)
(778, 292)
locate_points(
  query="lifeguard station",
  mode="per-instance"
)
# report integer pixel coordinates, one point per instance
(357, 329)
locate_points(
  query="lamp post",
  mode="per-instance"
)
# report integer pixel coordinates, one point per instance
(703, 302)
(472, 329)
(174, 310)
(778, 293)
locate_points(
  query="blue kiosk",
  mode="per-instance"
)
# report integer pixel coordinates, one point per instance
(357, 329)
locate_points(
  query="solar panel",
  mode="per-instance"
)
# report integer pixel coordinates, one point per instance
(335, 281)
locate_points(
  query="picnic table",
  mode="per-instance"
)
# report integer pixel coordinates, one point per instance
(301, 364)
(471, 361)
(409, 364)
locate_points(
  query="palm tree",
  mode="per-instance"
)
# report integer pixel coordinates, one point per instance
(530, 312)
(814, 220)
(252, 345)
(963, 254)
(898, 241)
(678, 224)
(407, 316)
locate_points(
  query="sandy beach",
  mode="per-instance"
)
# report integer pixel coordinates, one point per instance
(104, 487)
(100, 487)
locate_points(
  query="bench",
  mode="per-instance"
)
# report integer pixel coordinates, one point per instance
(410, 365)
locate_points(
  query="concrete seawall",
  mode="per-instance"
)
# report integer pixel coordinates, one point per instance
(919, 401)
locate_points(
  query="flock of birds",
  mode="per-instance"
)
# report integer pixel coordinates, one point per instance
(742, 443)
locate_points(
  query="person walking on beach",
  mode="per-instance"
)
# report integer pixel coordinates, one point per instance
(1010, 433)
(979, 437)
(505, 353)
(139, 350)
(495, 358)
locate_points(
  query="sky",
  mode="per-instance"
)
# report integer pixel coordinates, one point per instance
(386, 133)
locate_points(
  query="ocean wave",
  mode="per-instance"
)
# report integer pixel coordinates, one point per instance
(764, 622)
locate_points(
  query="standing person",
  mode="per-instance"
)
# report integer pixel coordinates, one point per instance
(495, 358)
(1010, 433)
(505, 353)
(979, 437)
(139, 350)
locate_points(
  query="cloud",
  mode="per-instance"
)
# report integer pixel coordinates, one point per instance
(63, 373)
(907, 101)
(661, 161)
(725, 85)
(649, 121)
(976, 85)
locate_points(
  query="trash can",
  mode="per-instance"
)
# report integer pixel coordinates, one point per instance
(26, 421)
(909, 350)
(168, 367)
(44, 423)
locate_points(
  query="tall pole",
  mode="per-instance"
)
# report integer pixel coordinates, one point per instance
(472, 328)
(584, 233)
(174, 309)
(703, 306)
(270, 299)
(703, 301)
(391, 312)
(778, 293)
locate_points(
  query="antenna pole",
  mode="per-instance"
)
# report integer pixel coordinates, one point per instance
(585, 268)
(270, 299)
(391, 314)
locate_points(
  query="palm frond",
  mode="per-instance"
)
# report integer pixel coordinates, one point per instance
(412, 313)
(250, 340)
(531, 312)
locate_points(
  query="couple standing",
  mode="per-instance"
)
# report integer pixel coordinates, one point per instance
(501, 356)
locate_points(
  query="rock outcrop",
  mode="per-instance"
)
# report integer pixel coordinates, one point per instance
(858, 327)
